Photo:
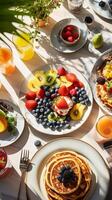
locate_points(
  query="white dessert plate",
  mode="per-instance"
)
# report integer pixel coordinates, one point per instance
(7, 138)
(93, 79)
(59, 45)
(35, 185)
(103, 12)
(32, 120)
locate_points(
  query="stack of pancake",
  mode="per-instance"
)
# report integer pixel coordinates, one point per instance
(67, 176)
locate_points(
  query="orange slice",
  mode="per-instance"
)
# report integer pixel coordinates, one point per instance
(3, 124)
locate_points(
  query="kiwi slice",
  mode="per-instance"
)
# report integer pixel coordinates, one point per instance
(51, 76)
(41, 78)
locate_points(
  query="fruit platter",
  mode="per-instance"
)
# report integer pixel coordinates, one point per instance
(11, 123)
(101, 81)
(64, 169)
(56, 100)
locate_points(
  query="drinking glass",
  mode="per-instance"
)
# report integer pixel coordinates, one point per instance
(104, 126)
(75, 5)
(6, 60)
(24, 46)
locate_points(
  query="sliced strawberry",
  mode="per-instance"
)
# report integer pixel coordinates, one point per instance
(71, 77)
(30, 95)
(62, 104)
(63, 91)
(73, 92)
(61, 71)
(75, 35)
(40, 93)
(30, 104)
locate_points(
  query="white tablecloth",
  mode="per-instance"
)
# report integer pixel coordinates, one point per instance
(82, 60)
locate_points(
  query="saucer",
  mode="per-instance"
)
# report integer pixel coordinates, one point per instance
(59, 45)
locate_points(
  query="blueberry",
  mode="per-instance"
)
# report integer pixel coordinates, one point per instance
(67, 126)
(42, 110)
(39, 103)
(37, 143)
(46, 87)
(47, 94)
(40, 116)
(56, 90)
(53, 128)
(37, 99)
(76, 88)
(102, 4)
(33, 111)
(74, 98)
(80, 99)
(85, 96)
(45, 120)
(39, 121)
(82, 102)
(35, 114)
(52, 91)
(101, 80)
(83, 92)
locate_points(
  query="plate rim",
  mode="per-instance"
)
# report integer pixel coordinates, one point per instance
(12, 103)
(68, 138)
(61, 133)
(97, 100)
(74, 49)
(104, 17)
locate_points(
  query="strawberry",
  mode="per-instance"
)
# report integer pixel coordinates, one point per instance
(63, 91)
(73, 92)
(70, 28)
(64, 35)
(30, 104)
(62, 104)
(61, 71)
(40, 93)
(80, 84)
(71, 77)
(68, 33)
(70, 39)
(3, 159)
(75, 35)
(30, 95)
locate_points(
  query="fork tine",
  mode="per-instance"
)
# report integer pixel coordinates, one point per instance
(21, 156)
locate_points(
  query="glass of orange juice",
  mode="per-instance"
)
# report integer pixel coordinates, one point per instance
(6, 60)
(104, 126)
(24, 46)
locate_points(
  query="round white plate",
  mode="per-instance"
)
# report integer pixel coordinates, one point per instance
(97, 164)
(6, 138)
(105, 13)
(93, 79)
(58, 44)
(32, 120)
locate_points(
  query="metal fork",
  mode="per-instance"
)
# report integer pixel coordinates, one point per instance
(24, 162)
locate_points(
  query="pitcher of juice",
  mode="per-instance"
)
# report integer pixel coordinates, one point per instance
(6, 60)
(24, 46)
